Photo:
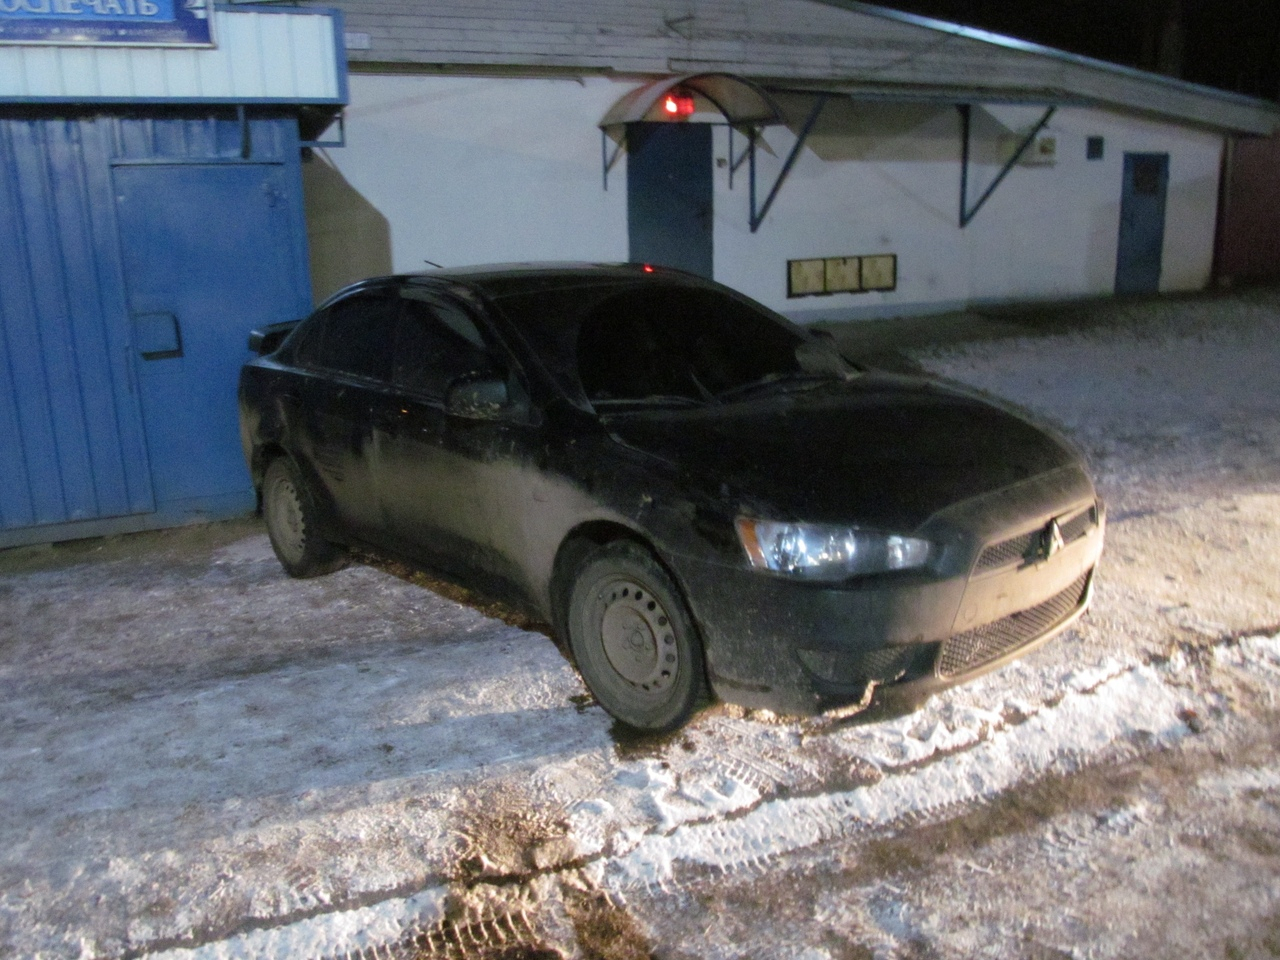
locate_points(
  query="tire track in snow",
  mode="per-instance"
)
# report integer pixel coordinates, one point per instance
(1138, 701)
(362, 932)
(1100, 709)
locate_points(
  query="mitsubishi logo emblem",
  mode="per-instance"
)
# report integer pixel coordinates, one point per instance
(1051, 540)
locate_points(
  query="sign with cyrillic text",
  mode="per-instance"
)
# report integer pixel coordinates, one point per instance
(150, 23)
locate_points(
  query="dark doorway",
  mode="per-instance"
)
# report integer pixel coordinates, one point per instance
(669, 195)
(1142, 203)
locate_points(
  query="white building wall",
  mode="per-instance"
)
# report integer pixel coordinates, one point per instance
(469, 170)
(1046, 232)
(477, 170)
(1053, 231)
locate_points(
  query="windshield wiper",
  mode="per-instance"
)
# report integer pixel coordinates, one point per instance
(779, 380)
(655, 400)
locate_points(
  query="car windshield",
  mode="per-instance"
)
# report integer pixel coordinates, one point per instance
(649, 342)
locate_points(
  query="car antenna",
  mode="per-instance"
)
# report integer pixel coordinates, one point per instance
(432, 263)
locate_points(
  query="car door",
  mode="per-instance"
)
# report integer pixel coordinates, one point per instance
(427, 485)
(347, 363)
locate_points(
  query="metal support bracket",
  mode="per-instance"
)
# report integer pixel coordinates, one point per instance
(966, 117)
(607, 160)
(758, 218)
(246, 137)
(342, 134)
(736, 162)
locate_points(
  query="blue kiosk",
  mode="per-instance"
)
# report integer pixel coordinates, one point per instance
(152, 213)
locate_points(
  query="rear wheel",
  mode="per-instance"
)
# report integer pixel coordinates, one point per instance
(291, 524)
(634, 640)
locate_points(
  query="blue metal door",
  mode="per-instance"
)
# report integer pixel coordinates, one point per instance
(669, 195)
(71, 438)
(208, 255)
(1142, 203)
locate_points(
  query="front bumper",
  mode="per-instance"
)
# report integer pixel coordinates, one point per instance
(1016, 569)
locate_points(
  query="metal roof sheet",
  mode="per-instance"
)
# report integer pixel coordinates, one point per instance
(271, 55)
(860, 48)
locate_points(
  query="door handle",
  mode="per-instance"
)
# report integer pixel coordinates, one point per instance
(158, 335)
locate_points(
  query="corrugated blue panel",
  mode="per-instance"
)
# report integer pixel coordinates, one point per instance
(141, 251)
(113, 439)
(18, 348)
(218, 137)
(53, 431)
(77, 451)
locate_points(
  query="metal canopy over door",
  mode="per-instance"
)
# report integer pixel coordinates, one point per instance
(71, 436)
(1142, 207)
(208, 255)
(669, 195)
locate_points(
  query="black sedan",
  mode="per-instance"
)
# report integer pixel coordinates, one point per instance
(698, 495)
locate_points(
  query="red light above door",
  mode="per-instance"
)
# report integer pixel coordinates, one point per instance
(678, 105)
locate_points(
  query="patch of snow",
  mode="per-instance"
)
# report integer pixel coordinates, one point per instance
(194, 742)
(1136, 701)
(1231, 784)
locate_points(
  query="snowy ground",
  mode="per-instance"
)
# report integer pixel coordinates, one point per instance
(201, 758)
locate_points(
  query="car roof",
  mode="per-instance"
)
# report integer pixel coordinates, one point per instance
(515, 277)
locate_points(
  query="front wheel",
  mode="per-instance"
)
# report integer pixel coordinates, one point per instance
(291, 524)
(634, 640)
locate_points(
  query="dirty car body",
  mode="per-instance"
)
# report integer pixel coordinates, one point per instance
(697, 494)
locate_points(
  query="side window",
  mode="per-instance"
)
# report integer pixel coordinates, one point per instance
(302, 347)
(436, 344)
(359, 336)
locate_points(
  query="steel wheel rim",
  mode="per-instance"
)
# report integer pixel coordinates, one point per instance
(637, 635)
(284, 518)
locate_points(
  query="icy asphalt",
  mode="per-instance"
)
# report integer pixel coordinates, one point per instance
(201, 758)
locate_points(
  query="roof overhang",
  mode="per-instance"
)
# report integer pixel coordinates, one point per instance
(1214, 110)
(742, 102)
(1076, 80)
(929, 94)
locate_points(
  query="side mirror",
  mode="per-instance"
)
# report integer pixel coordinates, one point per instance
(478, 397)
(267, 339)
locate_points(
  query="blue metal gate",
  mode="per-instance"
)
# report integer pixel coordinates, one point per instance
(146, 249)
(1142, 202)
(669, 195)
(72, 446)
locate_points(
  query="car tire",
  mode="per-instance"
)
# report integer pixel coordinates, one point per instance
(291, 524)
(634, 640)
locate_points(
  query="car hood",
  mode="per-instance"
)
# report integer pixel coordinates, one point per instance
(881, 450)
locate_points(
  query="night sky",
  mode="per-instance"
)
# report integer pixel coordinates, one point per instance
(1231, 44)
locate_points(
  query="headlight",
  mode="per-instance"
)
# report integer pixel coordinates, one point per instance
(820, 552)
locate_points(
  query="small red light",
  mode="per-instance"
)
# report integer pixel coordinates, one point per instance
(648, 268)
(678, 105)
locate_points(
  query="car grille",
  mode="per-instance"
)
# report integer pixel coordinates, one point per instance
(882, 666)
(1021, 547)
(967, 651)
